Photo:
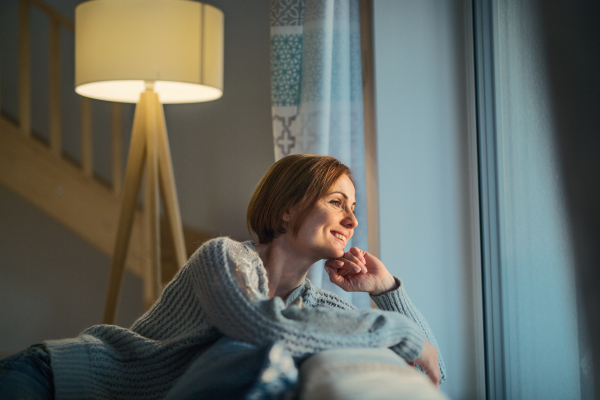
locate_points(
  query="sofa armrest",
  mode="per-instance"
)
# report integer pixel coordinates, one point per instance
(365, 373)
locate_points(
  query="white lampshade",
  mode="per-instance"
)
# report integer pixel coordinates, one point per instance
(121, 44)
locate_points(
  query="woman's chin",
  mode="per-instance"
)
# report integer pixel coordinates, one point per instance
(331, 251)
(338, 253)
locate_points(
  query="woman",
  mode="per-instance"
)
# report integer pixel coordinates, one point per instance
(242, 299)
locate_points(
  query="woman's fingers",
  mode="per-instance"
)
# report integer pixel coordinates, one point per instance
(428, 360)
(350, 266)
(332, 267)
(334, 263)
(350, 263)
(358, 253)
(334, 276)
(344, 264)
(357, 263)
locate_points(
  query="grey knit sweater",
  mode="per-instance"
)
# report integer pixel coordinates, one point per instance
(223, 290)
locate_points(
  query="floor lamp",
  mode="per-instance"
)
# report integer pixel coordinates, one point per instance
(149, 52)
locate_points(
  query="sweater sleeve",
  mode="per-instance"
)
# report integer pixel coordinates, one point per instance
(239, 311)
(398, 301)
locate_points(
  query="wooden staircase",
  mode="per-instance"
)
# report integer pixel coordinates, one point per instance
(66, 190)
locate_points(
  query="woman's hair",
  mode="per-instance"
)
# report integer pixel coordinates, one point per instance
(293, 185)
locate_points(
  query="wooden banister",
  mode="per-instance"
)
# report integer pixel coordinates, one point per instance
(53, 14)
(0, 73)
(58, 21)
(24, 70)
(54, 104)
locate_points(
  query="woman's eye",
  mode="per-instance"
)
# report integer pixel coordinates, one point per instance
(336, 203)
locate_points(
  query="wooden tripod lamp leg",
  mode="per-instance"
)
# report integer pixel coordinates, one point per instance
(168, 191)
(153, 281)
(149, 143)
(133, 177)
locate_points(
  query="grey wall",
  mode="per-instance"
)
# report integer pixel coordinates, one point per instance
(52, 284)
(427, 174)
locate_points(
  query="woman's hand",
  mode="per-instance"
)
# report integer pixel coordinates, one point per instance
(359, 271)
(428, 361)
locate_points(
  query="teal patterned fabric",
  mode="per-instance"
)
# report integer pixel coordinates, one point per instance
(316, 86)
(286, 58)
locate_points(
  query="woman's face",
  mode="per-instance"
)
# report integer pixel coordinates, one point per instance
(331, 222)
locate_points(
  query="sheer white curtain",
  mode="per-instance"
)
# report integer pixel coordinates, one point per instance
(317, 107)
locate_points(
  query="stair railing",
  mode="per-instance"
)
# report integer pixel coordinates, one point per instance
(57, 21)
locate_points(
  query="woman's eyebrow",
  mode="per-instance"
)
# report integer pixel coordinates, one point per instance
(344, 195)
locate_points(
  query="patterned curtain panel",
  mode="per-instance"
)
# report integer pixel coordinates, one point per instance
(316, 86)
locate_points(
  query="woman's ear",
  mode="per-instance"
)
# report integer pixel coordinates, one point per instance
(288, 215)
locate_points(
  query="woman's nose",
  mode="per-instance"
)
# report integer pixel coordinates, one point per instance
(350, 221)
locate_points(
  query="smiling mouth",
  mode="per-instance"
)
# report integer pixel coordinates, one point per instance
(340, 236)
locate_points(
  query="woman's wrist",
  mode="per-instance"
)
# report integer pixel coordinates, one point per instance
(388, 284)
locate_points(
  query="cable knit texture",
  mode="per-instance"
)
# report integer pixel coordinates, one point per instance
(223, 290)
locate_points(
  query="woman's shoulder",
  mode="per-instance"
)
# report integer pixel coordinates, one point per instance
(222, 241)
(234, 261)
(225, 246)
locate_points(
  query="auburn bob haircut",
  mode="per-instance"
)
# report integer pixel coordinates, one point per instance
(292, 185)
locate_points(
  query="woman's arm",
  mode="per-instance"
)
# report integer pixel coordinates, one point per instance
(361, 271)
(398, 300)
(238, 311)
